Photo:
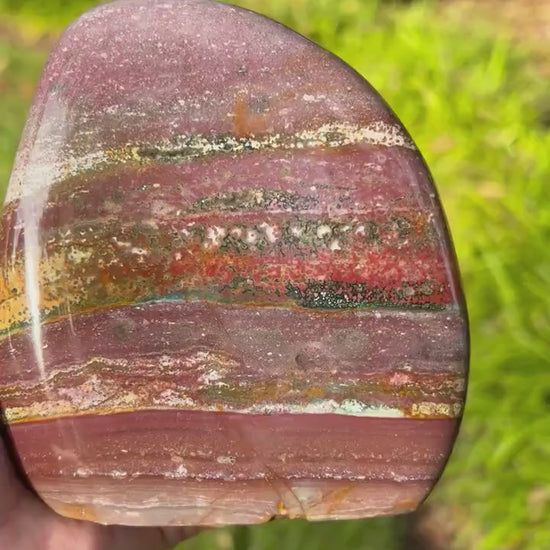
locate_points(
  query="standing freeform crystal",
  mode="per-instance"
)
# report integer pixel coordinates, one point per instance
(227, 291)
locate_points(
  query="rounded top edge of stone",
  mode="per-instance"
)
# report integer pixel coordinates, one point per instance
(197, 43)
(132, 10)
(129, 28)
(123, 75)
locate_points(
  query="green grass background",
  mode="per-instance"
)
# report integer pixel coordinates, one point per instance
(478, 108)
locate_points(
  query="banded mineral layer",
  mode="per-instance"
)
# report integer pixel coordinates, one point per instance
(227, 289)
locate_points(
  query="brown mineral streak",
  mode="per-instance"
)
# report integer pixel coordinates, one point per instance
(246, 121)
(77, 511)
(336, 498)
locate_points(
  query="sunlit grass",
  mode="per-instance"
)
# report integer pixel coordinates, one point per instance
(473, 103)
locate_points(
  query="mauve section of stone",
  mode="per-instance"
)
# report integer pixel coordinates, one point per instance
(196, 355)
(278, 464)
(199, 67)
(360, 341)
(340, 183)
(148, 71)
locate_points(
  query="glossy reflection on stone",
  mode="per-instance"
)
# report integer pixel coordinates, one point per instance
(227, 291)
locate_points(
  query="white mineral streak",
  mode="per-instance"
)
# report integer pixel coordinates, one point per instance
(97, 396)
(36, 169)
(28, 216)
(226, 459)
(328, 135)
(347, 407)
(179, 473)
(130, 402)
(269, 231)
(300, 492)
(43, 170)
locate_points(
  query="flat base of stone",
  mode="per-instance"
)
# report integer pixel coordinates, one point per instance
(216, 503)
(182, 467)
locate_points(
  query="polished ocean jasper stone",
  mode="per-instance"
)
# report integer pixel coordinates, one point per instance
(227, 289)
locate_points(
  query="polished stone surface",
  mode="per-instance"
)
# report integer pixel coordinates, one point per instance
(227, 289)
